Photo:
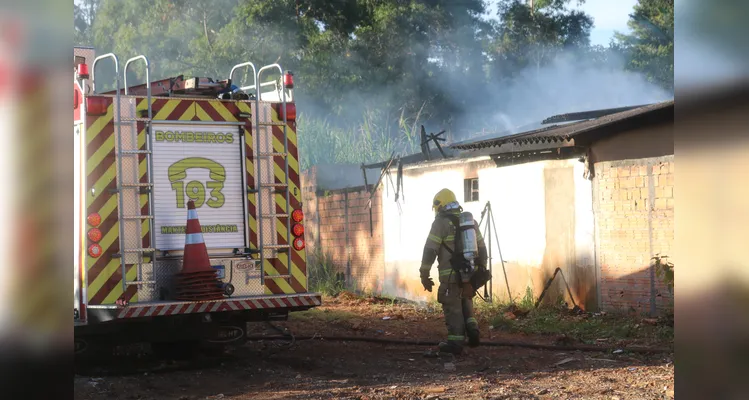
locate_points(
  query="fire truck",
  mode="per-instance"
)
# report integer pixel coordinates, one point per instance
(142, 154)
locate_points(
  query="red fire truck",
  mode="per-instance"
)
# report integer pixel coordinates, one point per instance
(142, 152)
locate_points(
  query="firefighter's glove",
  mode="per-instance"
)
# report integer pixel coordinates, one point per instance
(428, 283)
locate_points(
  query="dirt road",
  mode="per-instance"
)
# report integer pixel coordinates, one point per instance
(318, 369)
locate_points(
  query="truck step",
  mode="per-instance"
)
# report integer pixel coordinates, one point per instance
(274, 215)
(277, 277)
(141, 283)
(136, 185)
(271, 124)
(272, 154)
(140, 250)
(136, 152)
(137, 217)
(276, 246)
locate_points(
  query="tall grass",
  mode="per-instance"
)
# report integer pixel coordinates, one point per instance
(322, 274)
(374, 138)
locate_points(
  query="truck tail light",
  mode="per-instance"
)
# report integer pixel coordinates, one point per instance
(94, 219)
(297, 230)
(94, 250)
(288, 80)
(290, 111)
(94, 235)
(298, 244)
(96, 106)
(297, 215)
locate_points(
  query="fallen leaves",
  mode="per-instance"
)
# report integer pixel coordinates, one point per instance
(435, 390)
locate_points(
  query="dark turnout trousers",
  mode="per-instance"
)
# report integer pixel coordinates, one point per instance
(457, 305)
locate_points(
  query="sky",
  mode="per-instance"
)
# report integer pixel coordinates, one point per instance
(608, 16)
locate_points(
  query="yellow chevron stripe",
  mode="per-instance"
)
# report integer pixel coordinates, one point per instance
(132, 275)
(223, 111)
(103, 277)
(99, 154)
(142, 105)
(117, 289)
(167, 109)
(282, 284)
(189, 113)
(297, 273)
(101, 184)
(94, 129)
(200, 112)
(293, 162)
(281, 229)
(244, 107)
(105, 243)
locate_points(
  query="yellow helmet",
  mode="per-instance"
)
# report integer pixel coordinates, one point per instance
(443, 198)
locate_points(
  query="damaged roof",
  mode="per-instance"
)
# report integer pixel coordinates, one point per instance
(564, 133)
(596, 124)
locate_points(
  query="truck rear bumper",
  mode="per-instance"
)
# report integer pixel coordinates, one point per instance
(164, 308)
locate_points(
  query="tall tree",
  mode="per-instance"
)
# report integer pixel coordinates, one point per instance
(530, 36)
(84, 14)
(650, 47)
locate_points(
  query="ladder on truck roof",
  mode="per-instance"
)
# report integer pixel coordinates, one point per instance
(130, 186)
(266, 186)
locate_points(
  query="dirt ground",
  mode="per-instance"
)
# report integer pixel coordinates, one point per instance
(319, 369)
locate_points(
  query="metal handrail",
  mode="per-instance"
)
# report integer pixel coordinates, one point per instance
(254, 75)
(149, 148)
(148, 75)
(116, 70)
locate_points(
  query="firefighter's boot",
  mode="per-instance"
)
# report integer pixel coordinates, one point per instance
(450, 347)
(472, 331)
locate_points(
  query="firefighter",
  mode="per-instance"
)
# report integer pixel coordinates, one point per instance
(456, 298)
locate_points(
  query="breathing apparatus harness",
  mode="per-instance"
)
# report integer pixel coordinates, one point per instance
(466, 249)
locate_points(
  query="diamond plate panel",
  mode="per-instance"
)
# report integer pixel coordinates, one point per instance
(263, 143)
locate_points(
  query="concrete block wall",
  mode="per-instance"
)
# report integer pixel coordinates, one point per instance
(634, 221)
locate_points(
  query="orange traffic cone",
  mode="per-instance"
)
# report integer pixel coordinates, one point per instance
(197, 280)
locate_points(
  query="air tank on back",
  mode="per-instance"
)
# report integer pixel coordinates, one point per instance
(468, 236)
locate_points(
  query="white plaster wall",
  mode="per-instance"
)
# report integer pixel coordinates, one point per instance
(585, 239)
(517, 196)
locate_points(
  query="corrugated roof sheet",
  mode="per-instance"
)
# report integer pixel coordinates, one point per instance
(561, 133)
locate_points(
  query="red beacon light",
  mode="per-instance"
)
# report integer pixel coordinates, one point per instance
(83, 71)
(288, 80)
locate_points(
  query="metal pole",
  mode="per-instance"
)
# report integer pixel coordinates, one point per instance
(499, 249)
(488, 234)
(258, 180)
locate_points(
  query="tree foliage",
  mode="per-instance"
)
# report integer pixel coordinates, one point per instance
(365, 65)
(650, 46)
